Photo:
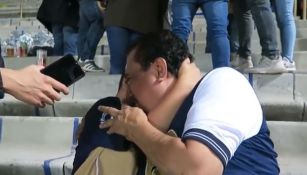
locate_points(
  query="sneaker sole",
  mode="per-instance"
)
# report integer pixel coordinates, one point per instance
(266, 71)
(90, 70)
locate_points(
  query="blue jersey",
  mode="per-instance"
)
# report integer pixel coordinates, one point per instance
(223, 113)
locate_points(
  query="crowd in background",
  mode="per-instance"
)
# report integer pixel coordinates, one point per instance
(78, 25)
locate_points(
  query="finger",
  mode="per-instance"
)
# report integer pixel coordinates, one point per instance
(57, 85)
(106, 124)
(45, 99)
(109, 110)
(42, 105)
(111, 131)
(35, 102)
(125, 107)
(39, 67)
(52, 94)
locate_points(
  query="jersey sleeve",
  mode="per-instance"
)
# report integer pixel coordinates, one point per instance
(225, 112)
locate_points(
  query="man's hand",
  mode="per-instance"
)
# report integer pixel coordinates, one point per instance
(31, 86)
(125, 121)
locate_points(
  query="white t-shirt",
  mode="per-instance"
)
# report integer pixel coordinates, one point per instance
(224, 113)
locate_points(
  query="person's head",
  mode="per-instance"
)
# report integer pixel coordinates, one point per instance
(123, 93)
(152, 66)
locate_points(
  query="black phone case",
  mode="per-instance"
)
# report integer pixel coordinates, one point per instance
(65, 70)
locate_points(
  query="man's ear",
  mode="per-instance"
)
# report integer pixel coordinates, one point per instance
(160, 66)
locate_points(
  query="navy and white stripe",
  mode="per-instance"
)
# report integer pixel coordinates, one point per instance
(210, 141)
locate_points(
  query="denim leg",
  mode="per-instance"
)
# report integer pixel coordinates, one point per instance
(233, 34)
(263, 17)
(216, 16)
(57, 31)
(183, 13)
(286, 24)
(70, 40)
(91, 29)
(83, 28)
(119, 40)
(133, 37)
(244, 26)
(94, 35)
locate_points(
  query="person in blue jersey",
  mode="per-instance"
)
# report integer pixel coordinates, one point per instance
(215, 130)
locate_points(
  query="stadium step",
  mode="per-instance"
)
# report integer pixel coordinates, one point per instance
(282, 96)
(45, 145)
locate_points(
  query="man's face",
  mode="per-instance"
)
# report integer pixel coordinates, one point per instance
(143, 85)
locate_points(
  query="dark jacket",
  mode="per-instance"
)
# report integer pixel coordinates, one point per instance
(139, 15)
(92, 136)
(63, 12)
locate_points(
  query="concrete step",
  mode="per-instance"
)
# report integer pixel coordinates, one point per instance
(36, 145)
(282, 96)
(45, 145)
(301, 23)
(203, 61)
(198, 47)
(290, 141)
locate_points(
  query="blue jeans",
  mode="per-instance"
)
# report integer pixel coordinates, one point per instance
(65, 40)
(262, 14)
(245, 27)
(233, 34)
(119, 39)
(286, 24)
(215, 12)
(90, 29)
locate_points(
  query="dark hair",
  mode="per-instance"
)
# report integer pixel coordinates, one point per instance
(163, 44)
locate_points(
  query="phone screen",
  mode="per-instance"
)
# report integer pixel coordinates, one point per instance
(65, 70)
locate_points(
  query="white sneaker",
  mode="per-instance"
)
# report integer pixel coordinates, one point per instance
(90, 66)
(233, 56)
(270, 66)
(290, 66)
(242, 64)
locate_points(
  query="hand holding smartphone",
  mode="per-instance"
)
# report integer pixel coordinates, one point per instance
(65, 70)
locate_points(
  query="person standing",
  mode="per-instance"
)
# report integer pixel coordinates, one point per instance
(261, 12)
(125, 21)
(215, 12)
(286, 24)
(91, 30)
(61, 18)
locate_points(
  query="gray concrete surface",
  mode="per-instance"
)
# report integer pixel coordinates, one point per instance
(283, 97)
(95, 86)
(290, 140)
(280, 98)
(36, 145)
(29, 145)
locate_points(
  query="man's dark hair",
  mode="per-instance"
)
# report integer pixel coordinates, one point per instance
(163, 44)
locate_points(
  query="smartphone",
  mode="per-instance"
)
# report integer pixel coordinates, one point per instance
(65, 70)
